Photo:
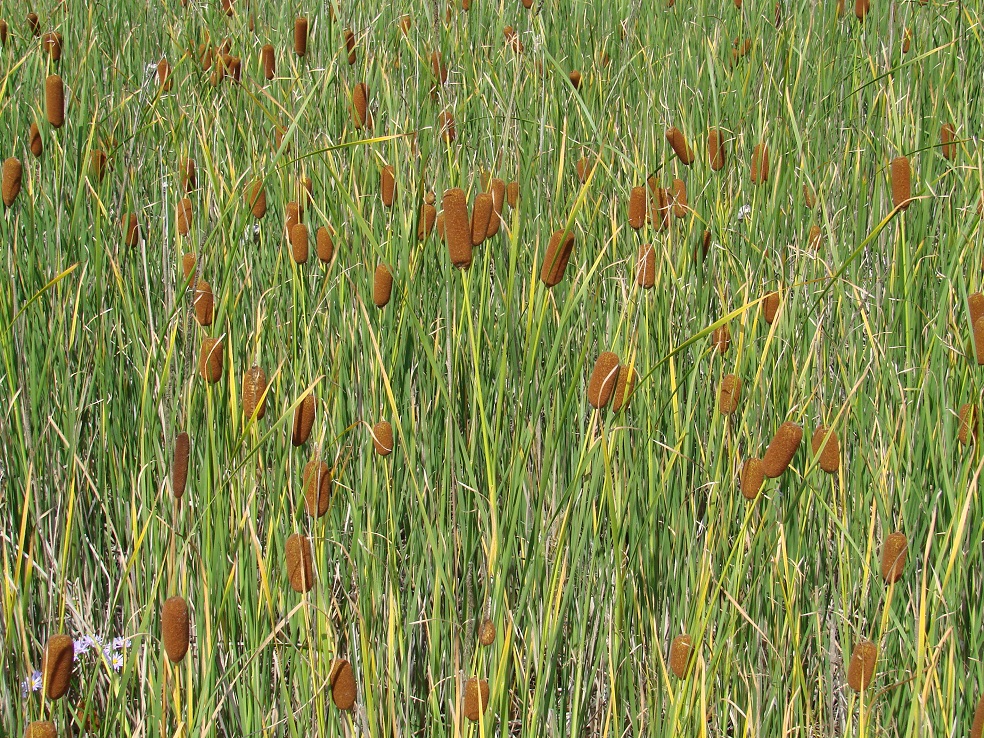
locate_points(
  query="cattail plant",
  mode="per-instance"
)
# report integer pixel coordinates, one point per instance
(184, 215)
(382, 286)
(300, 563)
(4, 32)
(681, 148)
(861, 8)
(439, 224)
(299, 243)
(303, 420)
(41, 729)
(254, 392)
(780, 452)
(906, 40)
(975, 304)
(428, 214)
(646, 267)
(269, 61)
(342, 682)
(947, 136)
(637, 207)
(486, 632)
(317, 482)
(34, 138)
(387, 185)
(660, 208)
(204, 302)
(179, 464)
(512, 194)
(175, 628)
(256, 198)
(457, 227)
(979, 341)
(481, 216)
(815, 239)
(97, 164)
(13, 172)
(476, 698)
(188, 264)
(770, 306)
(681, 653)
(623, 388)
(497, 188)
(382, 438)
(54, 100)
(752, 478)
(189, 175)
(555, 260)
(360, 107)
(131, 229)
(680, 206)
(438, 67)
(968, 424)
(715, 149)
(575, 78)
(977, 728)
(34, 23)
(809, 197)
(350, 45)
(51, 42)
(325, 245)
(901, 182)
(445, 124)
(826, 447)
(702, 246)
(861, 670)
(292, 216)
(300, 36)
(894, 552)
(604, 378)
(729, 394)
(210, 360)
(56, 665)
(584, 168)
(760, 164)
(721, 338)
(164, 75)
(405, 24)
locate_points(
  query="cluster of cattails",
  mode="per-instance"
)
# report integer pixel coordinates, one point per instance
(341, 679)
(175, 628)
(317, 482)
(861, 670)
(681, 654)
(54, 100)
(300, 563)
(382, 438)
(57, 665)
(476, 698)
(303, 420)
(13, 172)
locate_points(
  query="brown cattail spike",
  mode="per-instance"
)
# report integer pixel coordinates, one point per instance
(901, 182)
(13, 172)
(428, 214)
(188, 264)
(360, 107)
(179, 464)
(861, 670)
(975, 302)
(604, 378)
(4, 32)
(254, 392)
(457, 227)
(968, 424)
(387, 185)
(906, 40)
(575, 78)
(721, 338)
(476, 698)
(637, 207)
(37, 147)
(660, 210)
(826, 447)
(623, 388)
(512, 194)
(498, 190)
(438, 67)
(317, 482)
(300, 36)
(164, 75)
(41, 729)
(781, 450)
(269, 60)
(300, 565)
(382, 286)
(325, 245)
(445, 124)
(760, 164)
(342, 682)
(184, 215)
(679, 194)
(54, 100)
(210, 360)
(715, 149)
(97, 164)
(681, 652)
(175, 628)
(256, 198)
(979, 341)
(131, 230)
(752, 478)
(382, 438)
(486, 632)
(680, 146)
(646, 267)
(948, 135)
(299, 243)
(977, 728)
(770, 306)
(303, 421)
(189, 175)
(34, 23)
(815, 239)
(729, 394)
(481, 217)
(204, 302)
(52, 43)
(350, 45)
(56, 666)
(861, 8)
(894, 552)
(555, 260)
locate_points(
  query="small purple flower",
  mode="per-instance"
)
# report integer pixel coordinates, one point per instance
(82, 645)
(119, 643)
(31, 684)
(116, 661)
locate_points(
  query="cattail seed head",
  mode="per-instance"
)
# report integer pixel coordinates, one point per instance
(254, 392)
(752, 478)
(210, 360)
(56, 665)
(555, 260)
(979, 341)
(781, 450)
(826, 446)
(300, 36)
(188, 263)
(317, 482)
(679, 193)
(54, 100)
(387, 185)
(809, 198)
(681, 652)
(481, 216)
(184, 216)
(343, 687)
(204, 302)
(299, 243)
(975, 302)
(623, 388)
(131, 229)
(681, 148)
(770, 306)
(41, 729)
(861, 670)
(646, 267)
(968, 424)
(325, 245)
(179, 464)
(977, 728)
(445, 124)
(894, 553)
(4, 32)
(660, 208)
(438, 67)
(164, 75)
(584, 168)
(13, 172)
(428, 214)
(97, 164)
(175, 628)
(256, 198)
(382, 438)
(575, 78)
(906, 40)
(637, 207)
(604, 378)
(52, 43)
(300, 563)
(303, 420)
(486, 632)
(729, 394)
(292, 216)
(37, 147)
(815, 238)
(498, 191)
(721, 338)
(760, 164)
(457, 228)
(947, 136)
(861, 8)
(34, 23)
(405, 23)
(269, 60)
(715, 149)
(512, 194)
(227, 6)
(901, 182)
(476, 698)
(440, 226)
(189, 174)
(360, 107)
(350, 45)
(382, 286)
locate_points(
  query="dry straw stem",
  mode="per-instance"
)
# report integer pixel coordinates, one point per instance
(861, 8)
(360, 107)
(721, 338)
(303, 420)
(512, 194)
(350, 45)
(300, 565)
(681, 652)
(175, 628)
(782, 449)
(52, 43)
(826, 446)
(623, 388)
(680, 206)
(894, 553)
(445, 124)
(317, 482)
(210, 360)
(269, 60)
(428, 214)
(254, 392)
(947, 136)
(680, 147)
(387, 185)
(481, 217)
(56, 665)
(189, 175)
(382, 438)
(457, 228)
(37, 147)
(179, 464)
(715, 149)
(646, 267)
(131, 230)
(486, 632)
(54, 100)
(184, 214)
(604, 378)
(979, 341)
(188, 263)
(637, 207)
(770, 306)
(256, 198)
(968, 424)
(729, 394)
(555, 260)
(13, 172)
(977, 729)
(204, 302)
(752, 478)
(901, 182)
(760, 164)
(476, 698)
(342, 682)
(325, 245)
(41, 729)
(300, 36)
(382, 286)
(299, 243)
(861, 670)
